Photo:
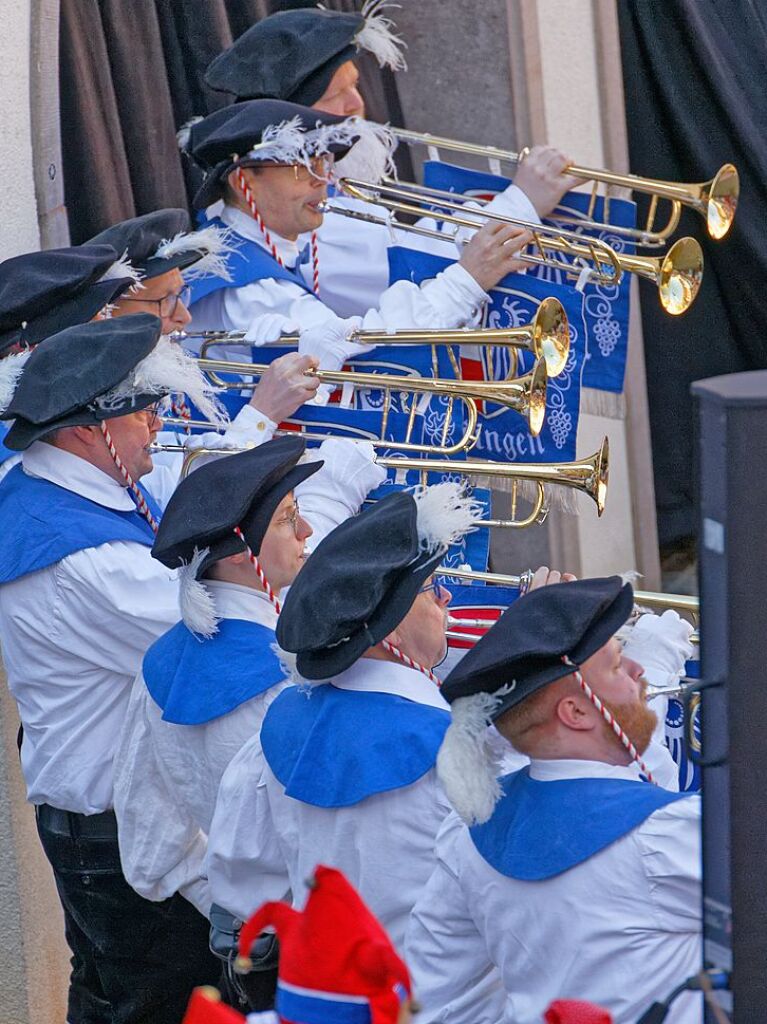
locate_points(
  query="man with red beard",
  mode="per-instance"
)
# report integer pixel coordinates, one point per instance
(577, 876)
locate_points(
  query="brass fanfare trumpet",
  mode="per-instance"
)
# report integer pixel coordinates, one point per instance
(716, 200)
(547, 336)
(526, 395)
(677, 274)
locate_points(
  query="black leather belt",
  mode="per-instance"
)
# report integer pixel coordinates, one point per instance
(69, 823)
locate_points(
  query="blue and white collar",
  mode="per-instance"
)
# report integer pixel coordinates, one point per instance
(46, 462)
(370, 675)
(234, 601)
(247, 227)
(575, 768)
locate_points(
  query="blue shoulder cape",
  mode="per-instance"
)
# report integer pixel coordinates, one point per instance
(195, 680)
(248, 262)
(333, 748)
(41, 523)
(541, 829)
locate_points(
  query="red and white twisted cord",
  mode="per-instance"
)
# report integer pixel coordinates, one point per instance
(251, 201)
(180, 409)
(315, 265)
(261, 574)
(611, 721)
(137, 493)
(406, 660)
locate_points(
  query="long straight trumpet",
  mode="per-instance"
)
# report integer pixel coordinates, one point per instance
(677, 275)
(526, 395)
(716, 200)
(547, 336)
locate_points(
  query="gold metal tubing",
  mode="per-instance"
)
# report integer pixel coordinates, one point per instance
(716, 200)
(677, 274)
(526, 395)
(590, 476)
(547, 336)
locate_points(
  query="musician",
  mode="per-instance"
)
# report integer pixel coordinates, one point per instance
(206, 683)
(80, 601)
(168, 256)
(344, 770)
(308, 56)
(577, 877)
(270, 162)
(41, 293)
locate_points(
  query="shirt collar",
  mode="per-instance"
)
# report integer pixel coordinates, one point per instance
(246, 226)
(373, 676)
(233, 601)
(572, 768)
(74, 474)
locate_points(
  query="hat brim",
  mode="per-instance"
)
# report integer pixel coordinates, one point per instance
(212, 187)
(257, 525)
(23, 433)
(603, 630)
(158, 265)
(394, 606)
(78, 310)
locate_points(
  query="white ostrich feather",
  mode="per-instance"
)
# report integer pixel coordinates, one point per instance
(445, 514)
(283, 143)
(198, 609)
(289, 665)
(184, 134)
(122, 268)
(377, 36)
(11, 368)
(215, 245)
(466, 763)
(166, 370)
(371, 157)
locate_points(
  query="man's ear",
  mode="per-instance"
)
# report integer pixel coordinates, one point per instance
(239, 558)
(573, 713)
(86, 435)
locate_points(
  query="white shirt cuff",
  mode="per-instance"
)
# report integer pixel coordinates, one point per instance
(252, 425)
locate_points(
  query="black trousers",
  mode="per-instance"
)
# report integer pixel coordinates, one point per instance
(133, 961)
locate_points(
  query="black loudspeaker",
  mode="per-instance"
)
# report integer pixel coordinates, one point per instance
(733, 594)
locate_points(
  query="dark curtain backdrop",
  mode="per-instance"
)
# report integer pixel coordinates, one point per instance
(131, 73)
(695, 76)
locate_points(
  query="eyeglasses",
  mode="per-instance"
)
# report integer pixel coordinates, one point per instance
(167, 305)
(441, 594)
(291, 518)
(319, 167)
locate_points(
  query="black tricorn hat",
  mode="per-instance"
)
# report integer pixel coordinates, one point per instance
(142, 239)
(68, 372)
(291, 55)
(238, 141)
(358, 585)
(235, 490)
(523, 651)
(42, 293)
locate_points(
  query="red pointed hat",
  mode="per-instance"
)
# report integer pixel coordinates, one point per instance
(575, 1011)
(205, 1007)
(337, 964)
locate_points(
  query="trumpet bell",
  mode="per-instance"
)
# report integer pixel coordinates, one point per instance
(536, 402)
(680, 276)
(601, 476)
(722, 201)
(551, 336)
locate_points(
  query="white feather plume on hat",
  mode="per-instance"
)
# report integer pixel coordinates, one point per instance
(184, 134)
(371, 156)
(123, 268)
(377, 36)
(215, 245)
(198, 609)
(445, 514)
(11, 368)
(166, 370)
(283, 143)
(467, 764)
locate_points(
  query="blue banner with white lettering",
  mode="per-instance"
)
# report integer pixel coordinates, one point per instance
(605, 307)
(503, 436)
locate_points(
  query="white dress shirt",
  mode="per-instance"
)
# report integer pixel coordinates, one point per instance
(167, 775)
(353, 261)
(452, 299)
(621, 929)
(264, 844)
(73, 634)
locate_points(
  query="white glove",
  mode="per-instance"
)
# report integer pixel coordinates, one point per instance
(329, 342)
(267, 329)
(661, 645)
(338, 490)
